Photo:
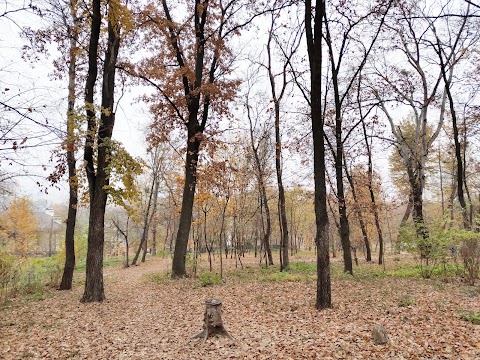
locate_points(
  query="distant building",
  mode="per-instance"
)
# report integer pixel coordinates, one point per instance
(51, 230)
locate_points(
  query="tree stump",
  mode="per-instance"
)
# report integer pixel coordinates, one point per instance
(212, 320)
(379, 335)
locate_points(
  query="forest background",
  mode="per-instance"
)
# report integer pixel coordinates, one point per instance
(263, 127)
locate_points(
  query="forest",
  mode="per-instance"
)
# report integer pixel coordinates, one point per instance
(311, 167)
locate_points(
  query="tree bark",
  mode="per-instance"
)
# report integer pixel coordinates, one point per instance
(281, 191)
(180, 252)
(314, 45)
(94, 289)
(125, 235)
(212, 320)
(339, 159)
(195, 127)
(416, 185)
(153, 219)
(277, 98)
(146, 224)
(263, 191)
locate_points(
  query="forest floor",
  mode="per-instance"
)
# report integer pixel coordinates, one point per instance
(270, 315)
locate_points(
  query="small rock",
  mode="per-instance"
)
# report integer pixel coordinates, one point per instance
(391, 312)
(379, 335)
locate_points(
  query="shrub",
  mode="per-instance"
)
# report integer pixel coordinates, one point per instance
(433, 250)
(209, 279)
(29, 276)
(471, 316)
(470, 255)
(406, 301)
(7, 274)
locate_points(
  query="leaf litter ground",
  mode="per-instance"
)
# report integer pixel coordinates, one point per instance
(270, 317)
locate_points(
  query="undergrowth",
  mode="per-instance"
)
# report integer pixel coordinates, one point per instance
(301, 271)
(470, 316)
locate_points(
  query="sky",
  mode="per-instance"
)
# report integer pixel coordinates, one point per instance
(49, 103)
(30, 84)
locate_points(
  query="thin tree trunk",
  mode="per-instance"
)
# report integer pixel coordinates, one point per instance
(467, 191)
(442, 192)
(125, 235)
(359, 214)
(453, 195)
(281, 192)
(227, 198)
(263, 192)
(143, 240)
(153, 222)
(67, 277)
(372, 194)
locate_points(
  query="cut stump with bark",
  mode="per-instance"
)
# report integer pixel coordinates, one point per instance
(212, 320)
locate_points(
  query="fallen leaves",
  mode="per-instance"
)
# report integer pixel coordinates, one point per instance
(268, 319)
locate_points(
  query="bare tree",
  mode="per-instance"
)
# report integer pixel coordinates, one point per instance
(314, 33)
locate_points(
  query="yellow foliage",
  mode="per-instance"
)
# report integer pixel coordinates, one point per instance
(123, 170)
(120, 16)
(18, 228)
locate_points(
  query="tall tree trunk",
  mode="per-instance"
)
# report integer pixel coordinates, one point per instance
(94, 269)
(154, 217)
(459, 161)
(406, 216)
(281, 191)
(222, 229)
(125, 235)
(277, 98)
(263, 192)
(127, 245)
(417, 198)
(94, 289)
(442, 192)
(67, 277)
(180, 252)
(339, 159)
(342, 210)
(50, 238)
(453, 195)
(195, 127)
(314, 45)
(467, 191)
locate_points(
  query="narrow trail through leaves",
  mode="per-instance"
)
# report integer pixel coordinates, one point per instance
(142, 319)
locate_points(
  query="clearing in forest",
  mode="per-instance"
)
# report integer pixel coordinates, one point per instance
(271, 315)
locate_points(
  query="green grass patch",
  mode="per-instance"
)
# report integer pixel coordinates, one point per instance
(402, 271)
(470, 316)
(302, 267)
(283, 276)
(472, 291)
(160, 278)
(164, 254)
(242, 275)
(81, 264)
(405, 271)
(406, 301)
(209, 279)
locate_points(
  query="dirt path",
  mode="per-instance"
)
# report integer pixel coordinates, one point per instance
(269, 319)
